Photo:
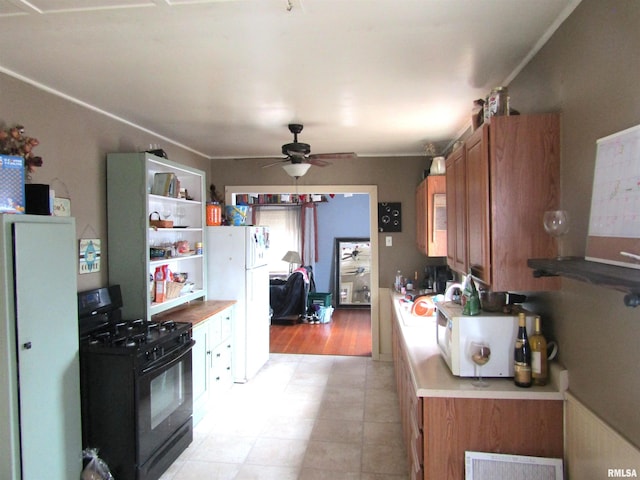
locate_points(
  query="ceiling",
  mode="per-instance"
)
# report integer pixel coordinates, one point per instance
(224, 78)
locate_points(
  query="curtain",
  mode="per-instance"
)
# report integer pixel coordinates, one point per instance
(284, 233)
(309, 221)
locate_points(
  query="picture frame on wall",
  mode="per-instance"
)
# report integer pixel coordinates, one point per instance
(390, 217)
(89, 255)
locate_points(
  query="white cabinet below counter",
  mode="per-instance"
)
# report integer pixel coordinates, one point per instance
(212, 353)
(211, 366)
(443, 416)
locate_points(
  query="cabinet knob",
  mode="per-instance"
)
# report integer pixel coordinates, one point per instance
(27, 346)
(208, 352)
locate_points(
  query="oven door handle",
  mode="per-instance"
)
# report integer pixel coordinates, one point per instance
(168, 358)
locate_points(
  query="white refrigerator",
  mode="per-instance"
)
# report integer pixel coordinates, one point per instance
(237, 270)
(40, 423)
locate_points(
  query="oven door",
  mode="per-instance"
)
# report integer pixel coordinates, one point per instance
(165, 406)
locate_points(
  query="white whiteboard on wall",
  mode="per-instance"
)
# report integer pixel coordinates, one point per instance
(614, 222)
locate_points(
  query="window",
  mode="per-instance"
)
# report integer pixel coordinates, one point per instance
(284, 234)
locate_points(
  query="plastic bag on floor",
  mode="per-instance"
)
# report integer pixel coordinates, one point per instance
(95, 468)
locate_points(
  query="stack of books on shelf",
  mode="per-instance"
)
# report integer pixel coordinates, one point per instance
(276, 199)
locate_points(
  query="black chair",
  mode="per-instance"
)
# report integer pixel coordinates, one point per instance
(288, 298)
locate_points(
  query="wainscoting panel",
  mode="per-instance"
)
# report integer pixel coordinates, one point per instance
(593, 450)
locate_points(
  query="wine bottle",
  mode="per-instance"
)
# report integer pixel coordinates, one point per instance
(522, 355)
(539, 367)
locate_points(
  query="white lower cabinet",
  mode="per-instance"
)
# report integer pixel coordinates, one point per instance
(212, 368)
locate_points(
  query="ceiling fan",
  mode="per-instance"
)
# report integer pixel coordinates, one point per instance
(358, 272)
(299, 157)
(354, 254)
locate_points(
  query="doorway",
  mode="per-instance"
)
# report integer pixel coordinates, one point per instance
(372, 192)
(348, 333)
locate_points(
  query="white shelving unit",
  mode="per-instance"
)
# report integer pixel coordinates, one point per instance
(130, 203)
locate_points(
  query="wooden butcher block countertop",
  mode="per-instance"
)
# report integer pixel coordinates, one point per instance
(195, 312)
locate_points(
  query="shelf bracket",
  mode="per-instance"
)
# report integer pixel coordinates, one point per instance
(632, 299)
(623, 279)
(543, 273)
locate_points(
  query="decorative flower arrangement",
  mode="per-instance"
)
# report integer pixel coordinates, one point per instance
(14, 142)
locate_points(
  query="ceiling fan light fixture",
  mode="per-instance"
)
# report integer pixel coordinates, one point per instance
(296, 169)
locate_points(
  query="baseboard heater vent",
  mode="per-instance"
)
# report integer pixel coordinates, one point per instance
(493, 466)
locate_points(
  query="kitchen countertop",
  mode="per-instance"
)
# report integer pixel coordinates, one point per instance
(195, 312)
(431, 375)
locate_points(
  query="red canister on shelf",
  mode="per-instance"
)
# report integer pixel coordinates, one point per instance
(214, 214)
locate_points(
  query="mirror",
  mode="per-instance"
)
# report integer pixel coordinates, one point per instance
(353, 272)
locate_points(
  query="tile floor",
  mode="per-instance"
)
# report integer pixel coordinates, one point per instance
(303, 417)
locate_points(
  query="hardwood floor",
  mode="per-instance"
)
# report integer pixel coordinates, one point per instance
(348, 333)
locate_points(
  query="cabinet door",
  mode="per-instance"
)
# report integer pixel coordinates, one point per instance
(436, 216)
(421, 217)
(478, 217)
(456, 211)
(200, 370)
(525, 181)
(47, 348)
(455, 425)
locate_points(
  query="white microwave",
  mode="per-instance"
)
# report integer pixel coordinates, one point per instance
(456, 331)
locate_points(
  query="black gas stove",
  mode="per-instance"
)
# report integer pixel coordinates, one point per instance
(136, 386)
(150, 342)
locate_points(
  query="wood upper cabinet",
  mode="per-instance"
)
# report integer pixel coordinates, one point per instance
(456, 187)
(512, 176)
(478, 207)
(431, 233)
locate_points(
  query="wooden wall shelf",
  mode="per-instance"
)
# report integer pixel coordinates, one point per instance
(623, 279)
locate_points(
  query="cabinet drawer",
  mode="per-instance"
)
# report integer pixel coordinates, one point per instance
(417, 447)
(222, 379)
(221, 374)
(215, 329)
(416, 411)
(226, 323)
(221, 358)
(416, 467)
(417, 474)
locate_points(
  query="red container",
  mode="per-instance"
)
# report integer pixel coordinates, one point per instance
(214, 214)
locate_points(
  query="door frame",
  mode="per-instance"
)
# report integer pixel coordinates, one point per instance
(372, 190)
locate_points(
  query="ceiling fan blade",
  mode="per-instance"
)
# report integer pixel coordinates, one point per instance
(318, 162)
(279, 162)
(244, 159)
(331, 156)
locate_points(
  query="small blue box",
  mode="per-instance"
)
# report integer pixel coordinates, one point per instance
(11, 184)
(324, 314)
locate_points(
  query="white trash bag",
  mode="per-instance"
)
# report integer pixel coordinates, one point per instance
(95, 468)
